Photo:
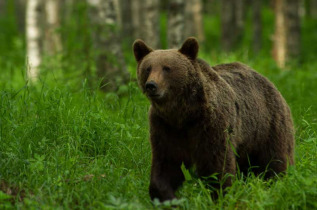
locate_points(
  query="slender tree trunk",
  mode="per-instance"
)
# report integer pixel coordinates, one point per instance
(293, 28)
(33, 37)
(150, 22)
(279, 50)
(126, 16)
(52, 41)
(136, 18)
(111, 67)
(176, 23)
(257, 25)
(287, 31)
(146, 22)
(20, 8)
(194, 19)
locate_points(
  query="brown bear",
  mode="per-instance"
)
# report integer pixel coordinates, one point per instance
(219, 119)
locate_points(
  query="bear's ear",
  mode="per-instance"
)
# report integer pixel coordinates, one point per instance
(140, 50)
(190, 48)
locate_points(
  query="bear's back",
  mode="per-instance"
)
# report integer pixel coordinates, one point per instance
(258, 102)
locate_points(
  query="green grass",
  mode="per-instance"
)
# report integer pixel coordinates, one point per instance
(78, 148)
(66, 145)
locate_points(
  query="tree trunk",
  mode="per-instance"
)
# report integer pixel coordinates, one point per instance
(150, 22)
(146, 21)
(287, 31)
(111, 67)
(20, 8)
(293, 28)
(136, 18)
(126, 17)
(52, 41)
(176, 23)
(232, 23)
(257, 25)
(33, 37)
(194, 19)
(279, 50)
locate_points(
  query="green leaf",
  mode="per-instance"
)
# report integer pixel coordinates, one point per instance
(186, 173)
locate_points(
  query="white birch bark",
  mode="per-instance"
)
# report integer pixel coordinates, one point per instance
(136, 18)
(279, 50)
(33, 38)
(176, 23)
(150, 24)
(53, 43)
(111, 67)
(194, 19)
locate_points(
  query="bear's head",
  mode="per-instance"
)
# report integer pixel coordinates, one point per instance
(164, 74)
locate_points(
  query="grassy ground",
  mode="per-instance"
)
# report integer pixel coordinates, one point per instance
(63, 144)
(62, 147)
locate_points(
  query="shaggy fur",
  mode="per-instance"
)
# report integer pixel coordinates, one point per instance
(202, 116)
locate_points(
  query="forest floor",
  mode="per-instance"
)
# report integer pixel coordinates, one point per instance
(75, 147)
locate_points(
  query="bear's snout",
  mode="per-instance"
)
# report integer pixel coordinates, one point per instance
(151, 87)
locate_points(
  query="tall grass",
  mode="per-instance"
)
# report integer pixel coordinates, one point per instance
(66, 148)
(66, 145)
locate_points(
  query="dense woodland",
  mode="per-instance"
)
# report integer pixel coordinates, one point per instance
(73, 123)
(99, 32)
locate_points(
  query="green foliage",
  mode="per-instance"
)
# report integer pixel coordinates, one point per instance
(65, 145)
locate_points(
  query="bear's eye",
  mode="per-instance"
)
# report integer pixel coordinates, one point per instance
(167, 69)
(148, 69)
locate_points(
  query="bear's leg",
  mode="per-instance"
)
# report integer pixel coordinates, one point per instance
(273, 163)
(278, 149)
(218, 159)
(166, 177)
(276, 156)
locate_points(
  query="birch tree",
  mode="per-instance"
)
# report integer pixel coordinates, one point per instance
(176, 23)
(194, 19)
(287, 31)
(136, 18)
(52, 41)
(279, 49)
(150, 22)
(110, 64)
(33, 37)
(126, 19)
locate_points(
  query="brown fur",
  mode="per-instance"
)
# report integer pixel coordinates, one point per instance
(201, 116)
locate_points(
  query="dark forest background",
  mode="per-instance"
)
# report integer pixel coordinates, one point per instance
(92, 39)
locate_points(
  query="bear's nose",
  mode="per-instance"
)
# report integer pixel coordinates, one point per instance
(151, 87)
